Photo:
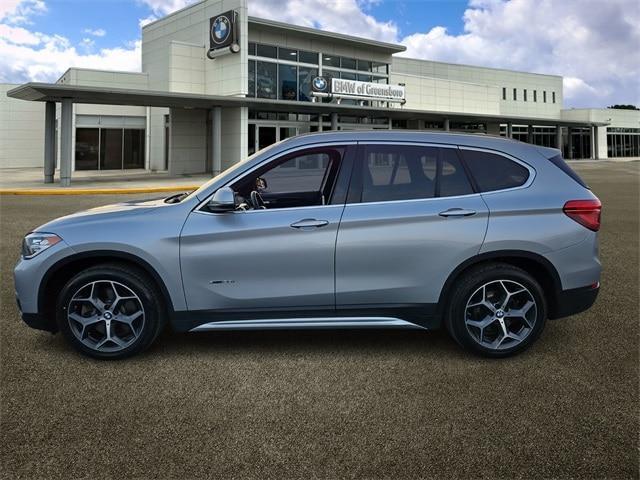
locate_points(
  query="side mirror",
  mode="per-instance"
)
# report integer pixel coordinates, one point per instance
(224, 200)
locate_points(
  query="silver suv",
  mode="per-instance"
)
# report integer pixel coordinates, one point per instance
(381, 229)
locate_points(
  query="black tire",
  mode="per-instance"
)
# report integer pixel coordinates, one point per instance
(473, 280)
(134, 279)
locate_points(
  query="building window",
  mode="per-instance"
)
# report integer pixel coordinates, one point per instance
(308, 57)
(364, 65)
(535, 95)
(266, 79)
(525, 94)
(251, 90)
(305, 76)
(287, 81)
(331, 61)
(252, 48)
(504, 93)
(544, 96)
(287, 54)
(515, 94)
(553, 97)
(349, 63)
(268, 51)
(87, 148)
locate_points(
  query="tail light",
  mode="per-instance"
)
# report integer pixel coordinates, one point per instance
(585, 212)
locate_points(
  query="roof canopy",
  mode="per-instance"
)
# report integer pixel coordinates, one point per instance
(50, 92)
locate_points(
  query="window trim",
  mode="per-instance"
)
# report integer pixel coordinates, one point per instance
(354, 195)
(526, 184)
(201, 206)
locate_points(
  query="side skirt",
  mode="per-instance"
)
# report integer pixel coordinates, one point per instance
(414, 316)
(308, 323)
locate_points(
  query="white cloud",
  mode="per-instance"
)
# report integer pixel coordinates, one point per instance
(147, 20)
(593, 44)
(19, 11)
(342, 16)
(34, 56)
(98, 32)
(164, 7)
(19, 35)
(51, 58)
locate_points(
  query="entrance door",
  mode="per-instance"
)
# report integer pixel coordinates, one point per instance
(267, 135)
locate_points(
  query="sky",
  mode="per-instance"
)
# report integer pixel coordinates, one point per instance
(593, 44)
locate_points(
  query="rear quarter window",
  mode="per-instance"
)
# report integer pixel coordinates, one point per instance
(559, 162)
(494, 172)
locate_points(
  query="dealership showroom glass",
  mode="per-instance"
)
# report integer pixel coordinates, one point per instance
(217, 85)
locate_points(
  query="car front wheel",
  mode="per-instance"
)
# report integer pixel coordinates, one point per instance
(110, 311)
(496, 310)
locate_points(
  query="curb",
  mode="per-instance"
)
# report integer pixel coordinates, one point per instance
(95, 191)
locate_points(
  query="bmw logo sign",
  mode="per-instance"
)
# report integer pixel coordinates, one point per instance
(220, 30)
(320, 84)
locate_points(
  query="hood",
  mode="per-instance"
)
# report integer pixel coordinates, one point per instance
(107, 212)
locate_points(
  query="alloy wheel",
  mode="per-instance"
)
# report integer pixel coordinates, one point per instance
(106, 316)
(500, 314)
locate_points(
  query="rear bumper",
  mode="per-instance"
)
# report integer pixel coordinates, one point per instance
(576, 300)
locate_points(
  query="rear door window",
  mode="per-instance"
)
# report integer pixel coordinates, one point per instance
(494, 172)
(408, 172)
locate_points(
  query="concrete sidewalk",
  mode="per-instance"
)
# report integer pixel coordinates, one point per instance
(30, 181)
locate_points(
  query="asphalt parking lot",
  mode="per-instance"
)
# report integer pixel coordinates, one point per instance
(330, 405)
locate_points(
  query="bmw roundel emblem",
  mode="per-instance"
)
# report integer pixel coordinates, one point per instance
(320, 84)
(220, 29)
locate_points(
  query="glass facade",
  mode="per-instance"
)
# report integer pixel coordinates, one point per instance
(623, 142)
(109, 148)
(286, 74)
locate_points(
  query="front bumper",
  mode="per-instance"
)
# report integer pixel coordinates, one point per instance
(576, 300)
(36, 320)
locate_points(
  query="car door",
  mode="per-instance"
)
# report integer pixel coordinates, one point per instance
(411, 217)
(280, 257)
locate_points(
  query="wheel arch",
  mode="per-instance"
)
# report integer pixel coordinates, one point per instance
(60, 272)
(536, 265)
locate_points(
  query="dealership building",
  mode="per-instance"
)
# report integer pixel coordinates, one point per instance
(218, 85)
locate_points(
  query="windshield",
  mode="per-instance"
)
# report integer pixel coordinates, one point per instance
(231, 169)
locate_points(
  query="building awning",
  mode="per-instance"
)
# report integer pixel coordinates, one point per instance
(52, 92)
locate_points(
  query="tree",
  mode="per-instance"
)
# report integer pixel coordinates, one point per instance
(624, 107)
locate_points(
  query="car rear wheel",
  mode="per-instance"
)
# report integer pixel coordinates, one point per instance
(496, 310)
(110, 311)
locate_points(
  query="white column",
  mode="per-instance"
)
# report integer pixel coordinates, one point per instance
(559, 137)
(509, 130)
(334, 121)
(446, 125)
(66, 141)
(49, 141)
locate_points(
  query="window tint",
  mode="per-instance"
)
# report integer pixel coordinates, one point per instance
(453, 179)
(494, 172)
(266, 51)
(405, 172)
(559, 162)
(300, 174)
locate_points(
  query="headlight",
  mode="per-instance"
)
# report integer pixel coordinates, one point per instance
(34, 243)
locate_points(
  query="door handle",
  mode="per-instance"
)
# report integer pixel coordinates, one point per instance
(309, 223)
(457, 212)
